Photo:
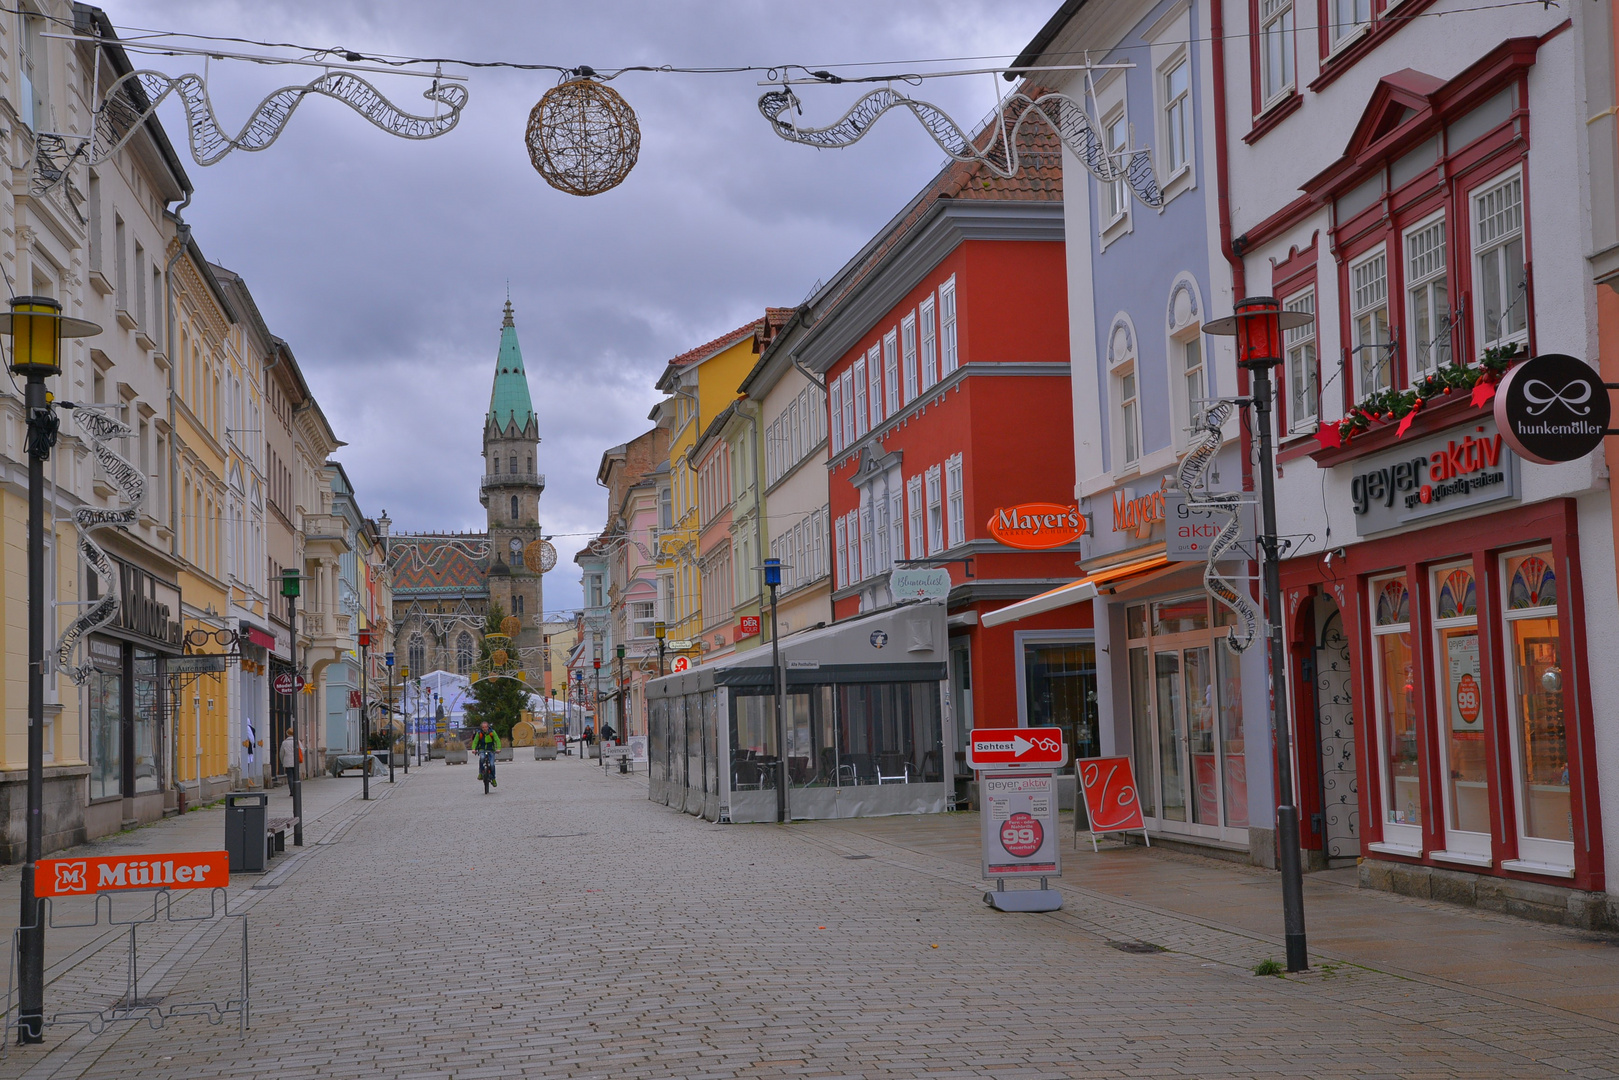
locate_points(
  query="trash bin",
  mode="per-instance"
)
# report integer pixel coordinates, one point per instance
(246, 815)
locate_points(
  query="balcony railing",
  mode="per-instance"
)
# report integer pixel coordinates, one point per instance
(521, 479)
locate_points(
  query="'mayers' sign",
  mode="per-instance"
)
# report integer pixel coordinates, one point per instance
(180, 870)
(1035, 526)
(1452, 471)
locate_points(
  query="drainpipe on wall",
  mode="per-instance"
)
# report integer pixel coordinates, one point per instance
(1222, 184)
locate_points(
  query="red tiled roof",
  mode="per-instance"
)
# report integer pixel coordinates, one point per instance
(1038, 179)
(709, 348)
(435, 564)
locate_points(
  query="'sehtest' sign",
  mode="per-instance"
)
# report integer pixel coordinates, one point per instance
(989, 748)
(179, 870)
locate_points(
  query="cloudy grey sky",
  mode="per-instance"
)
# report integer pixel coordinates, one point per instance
(385, 262)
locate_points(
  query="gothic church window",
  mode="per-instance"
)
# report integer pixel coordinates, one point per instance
(418, 654)
(517, 604)
(463, 653)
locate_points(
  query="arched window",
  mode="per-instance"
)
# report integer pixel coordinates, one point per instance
(464, 653)
(517, 605)
(513, 464)
(418, 655)
(514, 507)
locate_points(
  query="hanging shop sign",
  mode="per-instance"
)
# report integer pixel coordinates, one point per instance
(201, 664)
(1036, 526)
(989, 748)
(1189, 529)
(1020, 824)
(747, 626)
(680, 664)
(925, 584)
(1552, 408)
(1137, 514)
(287, 683)
(148, 608)
(1448, 472)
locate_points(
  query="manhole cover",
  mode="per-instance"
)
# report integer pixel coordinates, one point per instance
(1135, 946)
(857, 856)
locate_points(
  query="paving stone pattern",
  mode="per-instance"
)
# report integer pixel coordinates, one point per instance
(566, 927)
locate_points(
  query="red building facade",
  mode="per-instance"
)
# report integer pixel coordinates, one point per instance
(945, 356)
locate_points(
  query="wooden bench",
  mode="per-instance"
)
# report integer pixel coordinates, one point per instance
(275, 835)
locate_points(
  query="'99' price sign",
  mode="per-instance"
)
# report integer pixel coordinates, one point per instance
(1020, 824)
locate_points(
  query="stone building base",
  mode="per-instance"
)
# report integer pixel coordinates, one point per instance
(64, 810)
(1556, 904)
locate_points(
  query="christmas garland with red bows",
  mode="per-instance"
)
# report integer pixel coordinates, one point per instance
(1402, 406)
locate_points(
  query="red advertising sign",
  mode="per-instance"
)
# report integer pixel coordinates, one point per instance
(179, 870)
(355, 701)
(748, 626)
(990, 748)
(680, 664)
(1034, 526)
(1111, 798)
(288, 683)
(1467, 698)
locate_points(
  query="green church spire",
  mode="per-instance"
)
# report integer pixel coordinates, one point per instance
(509, 402)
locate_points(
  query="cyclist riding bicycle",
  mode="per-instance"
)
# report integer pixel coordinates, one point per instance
(484, 743)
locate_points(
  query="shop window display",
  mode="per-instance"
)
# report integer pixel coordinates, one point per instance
(1461, 706)
(1396, 704)
(1535, 690)
(106, 693)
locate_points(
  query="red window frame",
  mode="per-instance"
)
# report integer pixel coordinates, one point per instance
(1267, 117)
(1446, 186)
(1389, 17)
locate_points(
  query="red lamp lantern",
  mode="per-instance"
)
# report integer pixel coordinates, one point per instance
(365, 638)
(1258, 326)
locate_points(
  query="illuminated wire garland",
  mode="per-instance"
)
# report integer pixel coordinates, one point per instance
(98, 428)
(1191, 479)
(1067, 117)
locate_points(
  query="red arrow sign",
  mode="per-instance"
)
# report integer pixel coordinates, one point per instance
(993, 747)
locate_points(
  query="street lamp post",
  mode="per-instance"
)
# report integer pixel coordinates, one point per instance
(365, 719)
(289, 589)
(772, 568)
(36, 327)
(388, 661)
(384, 524)
(1257, 326)
(660, 631)
(623, 718)
(599, 742)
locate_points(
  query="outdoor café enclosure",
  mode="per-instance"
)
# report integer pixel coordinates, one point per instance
(863, 716)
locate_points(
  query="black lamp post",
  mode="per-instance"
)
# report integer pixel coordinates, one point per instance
(384, 523)
(660, 631)
(597, 662)
(365, 717)
(289, 589)
(36, 327)
(772, 568)
(1258, 326)
(623, 717)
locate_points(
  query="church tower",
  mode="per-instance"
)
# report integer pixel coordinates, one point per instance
(511, 491)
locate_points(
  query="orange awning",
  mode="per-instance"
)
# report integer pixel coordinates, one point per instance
(1075, 592)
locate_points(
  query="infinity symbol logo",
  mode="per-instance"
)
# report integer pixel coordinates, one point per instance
(1572, 396)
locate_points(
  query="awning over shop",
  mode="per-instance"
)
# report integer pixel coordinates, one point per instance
(1075, 592)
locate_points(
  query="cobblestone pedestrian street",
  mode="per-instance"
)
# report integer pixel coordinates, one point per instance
(564, 926)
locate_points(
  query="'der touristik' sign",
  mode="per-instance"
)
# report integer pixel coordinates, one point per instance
(1552, 408)
(1035, 526)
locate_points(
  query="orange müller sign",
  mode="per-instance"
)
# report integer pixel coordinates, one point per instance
(1035, 526)
(177, 870)
(1111, 798)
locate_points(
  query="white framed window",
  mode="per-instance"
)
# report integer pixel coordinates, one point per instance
(31, 68)
(868, 553)
(1427, 306)
(840, 530)
(1194, 386)
(1116, 140)
(1303, 394)
(849, 432)
(1275, 49)
(948, 351)
(643, 613)
(896, 523)
(913, 496)
(791, 440)
(1129, 414)
(861, 398)
(1369, 323)
(929, 329)
(956, 501)
(874, 382)
(880, 533)
(836, 393)
(1345, 18)
(772, 441)
(1501, 291)
(907, 335)
(856, 571)
(1537, 711)
(935, 482)
(891, 371)
(1177, 119)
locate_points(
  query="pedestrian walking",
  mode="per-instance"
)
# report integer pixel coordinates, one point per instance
(292, 755)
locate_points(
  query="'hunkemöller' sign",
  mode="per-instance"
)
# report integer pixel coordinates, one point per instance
(1456, 470)
(1553, 408)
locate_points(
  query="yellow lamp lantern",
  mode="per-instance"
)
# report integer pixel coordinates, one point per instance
(36, 327)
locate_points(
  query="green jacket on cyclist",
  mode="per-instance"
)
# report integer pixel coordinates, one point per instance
(485, 740)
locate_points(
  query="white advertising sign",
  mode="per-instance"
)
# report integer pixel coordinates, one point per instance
(1190, 529)
(922, 584)
(1019, 824)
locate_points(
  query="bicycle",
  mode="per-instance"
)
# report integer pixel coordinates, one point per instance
(486, 768)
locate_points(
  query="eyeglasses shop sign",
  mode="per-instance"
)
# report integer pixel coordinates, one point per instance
(1457, 470)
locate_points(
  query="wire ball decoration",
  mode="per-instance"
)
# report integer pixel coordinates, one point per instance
(540, 556)
(511, 626)
(583, 137)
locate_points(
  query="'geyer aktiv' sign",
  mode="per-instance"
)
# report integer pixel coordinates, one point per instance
(1456, 470)
(1552, 408)
(1036, 526)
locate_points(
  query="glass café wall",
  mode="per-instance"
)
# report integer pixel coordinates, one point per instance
(1186, 717)
(842, 735)
(124, 693)
(1530, 639)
